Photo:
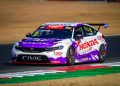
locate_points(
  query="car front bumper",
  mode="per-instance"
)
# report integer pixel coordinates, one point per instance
(48, 57)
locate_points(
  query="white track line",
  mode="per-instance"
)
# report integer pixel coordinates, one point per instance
(28, 73)
(108, 64)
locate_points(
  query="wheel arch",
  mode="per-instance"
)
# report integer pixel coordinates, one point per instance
(67, 54)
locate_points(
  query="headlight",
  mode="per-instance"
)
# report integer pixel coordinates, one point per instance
(55, 48)
(18, 47)
(58, 48)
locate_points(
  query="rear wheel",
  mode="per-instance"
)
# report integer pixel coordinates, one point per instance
(102, 53)
(70, 56)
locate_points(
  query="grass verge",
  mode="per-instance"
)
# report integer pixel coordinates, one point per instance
(79, 73)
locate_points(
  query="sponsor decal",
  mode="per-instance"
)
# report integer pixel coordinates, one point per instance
(99, 37)
(32, 58)
(31, 43)
(68, 28)
(77, 42)
(58, 53)
(90, 48)
(55, 62)
(88, 44)
(85, 59)
(55, 27)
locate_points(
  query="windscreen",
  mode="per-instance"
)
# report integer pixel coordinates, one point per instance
(49, 32)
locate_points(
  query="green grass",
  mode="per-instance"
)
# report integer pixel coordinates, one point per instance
(79, 73)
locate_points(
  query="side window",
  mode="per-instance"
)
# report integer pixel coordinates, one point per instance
(78, 31)
(95, 31)
(88, 31)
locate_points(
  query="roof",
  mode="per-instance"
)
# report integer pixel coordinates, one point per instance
(77, 24)
(62, 23)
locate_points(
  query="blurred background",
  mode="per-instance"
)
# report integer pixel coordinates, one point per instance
(88, 0)
(18, 17)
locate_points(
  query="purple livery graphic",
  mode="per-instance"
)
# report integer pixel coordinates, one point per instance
(61, 43)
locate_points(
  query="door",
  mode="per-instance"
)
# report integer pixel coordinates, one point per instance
(79, 39)
(90, 43)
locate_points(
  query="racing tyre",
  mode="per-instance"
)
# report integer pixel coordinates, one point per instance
(102, 53)
(70, 56)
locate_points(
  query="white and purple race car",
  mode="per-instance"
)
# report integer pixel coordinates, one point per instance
(61, 43)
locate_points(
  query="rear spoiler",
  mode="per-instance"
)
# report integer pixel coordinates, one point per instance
(99, 25)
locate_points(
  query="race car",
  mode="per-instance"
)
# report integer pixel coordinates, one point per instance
(61, 43)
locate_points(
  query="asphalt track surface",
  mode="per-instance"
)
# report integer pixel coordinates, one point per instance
(113, 55)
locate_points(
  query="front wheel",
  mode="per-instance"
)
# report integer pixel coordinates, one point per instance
(102, 53)
(70, 56)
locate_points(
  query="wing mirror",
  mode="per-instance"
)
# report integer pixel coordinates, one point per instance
(28, 35)
(78, 37)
